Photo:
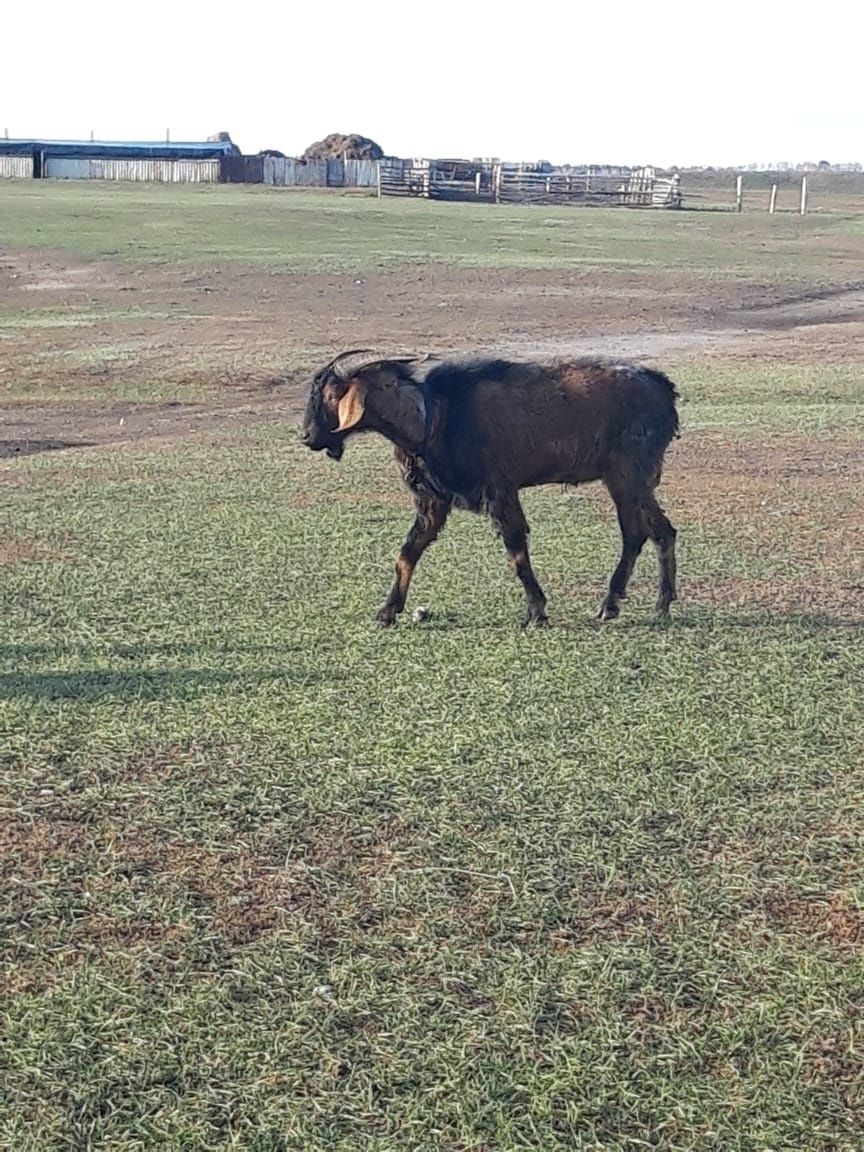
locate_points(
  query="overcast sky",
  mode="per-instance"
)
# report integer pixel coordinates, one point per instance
(608, 81)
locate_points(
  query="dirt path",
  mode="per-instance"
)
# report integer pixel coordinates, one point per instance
(228, 333)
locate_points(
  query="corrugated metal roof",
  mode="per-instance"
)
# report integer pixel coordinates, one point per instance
(120, 149)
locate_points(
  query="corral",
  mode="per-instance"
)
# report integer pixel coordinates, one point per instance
(489, 181)
(274, 879)
(499, 183)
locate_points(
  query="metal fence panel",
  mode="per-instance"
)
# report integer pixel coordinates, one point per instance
(66, 168)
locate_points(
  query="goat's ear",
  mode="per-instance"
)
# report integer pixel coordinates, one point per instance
(351, 406)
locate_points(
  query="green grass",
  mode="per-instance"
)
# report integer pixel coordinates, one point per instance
(14, 321)
(280, 880)
(328, 232)
(772, 394)
(276, 880)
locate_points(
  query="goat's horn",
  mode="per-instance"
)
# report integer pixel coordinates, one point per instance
(331, 367)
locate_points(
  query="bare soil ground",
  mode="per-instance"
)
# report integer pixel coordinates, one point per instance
(233, 346)
(236, 343)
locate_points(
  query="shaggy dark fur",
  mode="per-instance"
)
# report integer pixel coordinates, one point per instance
(471, 434)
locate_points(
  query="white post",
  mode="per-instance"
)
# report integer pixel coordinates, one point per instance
(477, 178)
(378, 177)
(803, 195)
(773, 203)
(739, 193)
(167, 135)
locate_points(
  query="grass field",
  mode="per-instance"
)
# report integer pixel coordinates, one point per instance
(322, 231)
(273, 879)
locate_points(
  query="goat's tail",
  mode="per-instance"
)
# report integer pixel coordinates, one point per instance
(648, 433)
(671, 394)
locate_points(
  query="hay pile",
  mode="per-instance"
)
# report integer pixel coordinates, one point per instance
(337, 146)
(224, 138)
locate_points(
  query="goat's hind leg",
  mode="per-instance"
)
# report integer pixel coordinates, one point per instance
(634, 533)
(431, 516)
(663, 535)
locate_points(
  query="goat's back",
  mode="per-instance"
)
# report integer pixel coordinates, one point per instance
(523, 423)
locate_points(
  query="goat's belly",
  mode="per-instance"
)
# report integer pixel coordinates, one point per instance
(562, 473)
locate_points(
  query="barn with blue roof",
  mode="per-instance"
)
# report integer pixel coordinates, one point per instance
(160, 161)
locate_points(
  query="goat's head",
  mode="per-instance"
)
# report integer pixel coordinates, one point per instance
(352, 394)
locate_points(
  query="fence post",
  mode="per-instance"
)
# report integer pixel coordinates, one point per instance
(477, 179)
(803, 195)
(378, 177)
(773, 203)
(496, 183)
(739, 193)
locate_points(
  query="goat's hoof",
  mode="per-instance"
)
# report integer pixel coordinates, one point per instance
(608, 612)
(535, 618)
(385, 618)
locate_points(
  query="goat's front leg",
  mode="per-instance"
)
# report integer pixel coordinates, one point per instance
(509, 519)
(430, 519)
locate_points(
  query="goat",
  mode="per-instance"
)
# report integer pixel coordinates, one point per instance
(470, 434)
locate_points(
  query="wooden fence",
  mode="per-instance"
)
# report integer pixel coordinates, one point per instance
(142, 170)
(290, 173)
(16, 167)
(778, 192)
(287, 172)
(404, 178)
(516, 184)
(641, 189)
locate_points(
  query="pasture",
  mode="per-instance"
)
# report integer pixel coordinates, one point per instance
(273, 879)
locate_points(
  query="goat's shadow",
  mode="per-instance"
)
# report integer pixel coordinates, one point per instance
(128, 686)
(639, 622)
(706, 620)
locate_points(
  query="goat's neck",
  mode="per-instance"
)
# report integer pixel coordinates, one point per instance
(411, 445)
(405, 427)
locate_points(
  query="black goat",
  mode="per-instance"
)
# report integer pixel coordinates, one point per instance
(471, 434)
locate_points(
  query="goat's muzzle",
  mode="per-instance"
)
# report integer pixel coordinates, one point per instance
(317, 441)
